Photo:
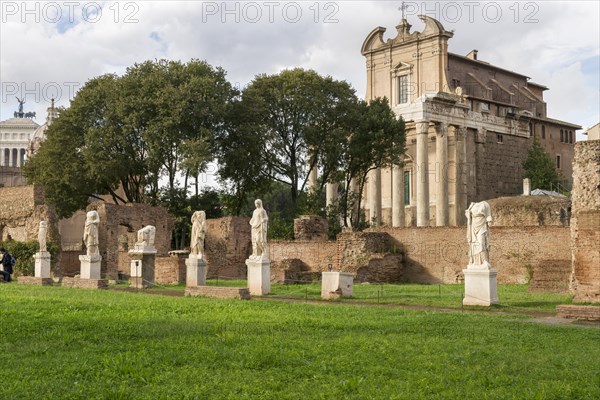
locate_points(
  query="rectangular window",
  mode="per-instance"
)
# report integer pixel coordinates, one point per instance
(557, 162)
(500, 138)
(403, 89)
(543, 132)
(407, 188)
(562, 136)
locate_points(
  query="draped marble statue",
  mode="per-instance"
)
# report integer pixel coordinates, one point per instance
(259, 224)
(90, 233)
(42, 235)
(198, 234)
(478, 234)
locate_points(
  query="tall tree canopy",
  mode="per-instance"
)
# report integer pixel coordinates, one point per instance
(539, 167)
(284, 121)
(156, 121)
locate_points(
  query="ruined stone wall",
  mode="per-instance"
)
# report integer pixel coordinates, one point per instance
(585, 222)
(370, 256)
(118, 232)
(227, 246)
(438, 255)
(530, 211)
(21, 210)
(169, 270)
(311, 227)
(296, 260)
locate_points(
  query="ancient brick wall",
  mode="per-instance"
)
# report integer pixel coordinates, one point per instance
(169, 270)
(530, 211)
(118, 232)
(227, 246)
(311, 227)
(310, 257)
(438, 255)
(21, 210)
(585, 222)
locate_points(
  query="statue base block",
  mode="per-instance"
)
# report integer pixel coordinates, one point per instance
(42, 264)
(196, 270)
(481, 287)
(142, 267)
(85, 283)
(34, 280)
(90, 266)
(336, 284)
(259, 276)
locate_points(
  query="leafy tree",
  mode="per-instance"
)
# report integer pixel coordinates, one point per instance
(375, 139)
(158, 120)
(539, 167)
(285, 122)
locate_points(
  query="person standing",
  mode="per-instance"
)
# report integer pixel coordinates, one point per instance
(7, 265)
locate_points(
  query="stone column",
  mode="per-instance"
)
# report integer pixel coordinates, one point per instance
(526, 187)
(312, 180)
(460, 177)
(441, 176)
(422, 173)
(375, 197)
(398, 218)
(331, 192)
(353, 192)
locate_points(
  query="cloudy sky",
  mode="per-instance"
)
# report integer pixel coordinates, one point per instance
(49, 49)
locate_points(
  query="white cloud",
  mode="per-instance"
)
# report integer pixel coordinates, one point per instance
(248, 38)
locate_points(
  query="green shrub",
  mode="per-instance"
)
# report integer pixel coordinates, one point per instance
(23, 252)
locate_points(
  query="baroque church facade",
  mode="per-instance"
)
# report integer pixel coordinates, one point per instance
(469, 126)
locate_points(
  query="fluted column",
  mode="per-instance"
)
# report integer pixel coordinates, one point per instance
(331, 192)
(375, 196)
(441, 175)
(398, 219)
(460, 177)
(312, 179)
(422, 174)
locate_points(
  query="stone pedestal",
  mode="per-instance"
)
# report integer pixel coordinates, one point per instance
(42, 264)
(196, 270)
(33, 280)
(336, 284)
(481, 288)
(90, 267)
(142, 267)
(259, 276)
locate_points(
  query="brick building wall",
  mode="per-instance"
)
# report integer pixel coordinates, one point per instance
(118, 233)
(438, 255)
(227, 246)
(585, 222)
(21, 210)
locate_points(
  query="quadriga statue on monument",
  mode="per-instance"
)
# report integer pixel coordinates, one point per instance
(198, 234)
(90, 233)
(259, 223)
(42, 236)
(479, 217)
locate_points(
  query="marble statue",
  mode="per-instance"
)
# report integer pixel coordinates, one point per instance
(42, 235)
(145, 236)
(198, 234)
(478, 234)
(90, 233)
(259, 224)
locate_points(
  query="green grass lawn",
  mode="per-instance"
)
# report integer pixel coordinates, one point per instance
(60, 343)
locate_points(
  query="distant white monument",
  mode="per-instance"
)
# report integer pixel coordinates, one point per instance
(480, 280)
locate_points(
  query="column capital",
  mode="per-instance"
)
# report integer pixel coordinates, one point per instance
(441, 128)
(422, 127)
(460, 132)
